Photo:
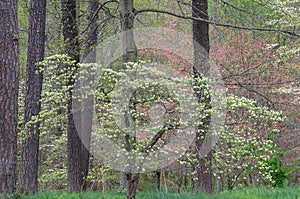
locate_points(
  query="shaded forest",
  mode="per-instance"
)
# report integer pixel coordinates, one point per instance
(132, 96)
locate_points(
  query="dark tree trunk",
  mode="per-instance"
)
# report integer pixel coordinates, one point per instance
(92, 32)
(229, 182)
(158, 180)
(203, 167)
(30, 145)
(9, 77)
(75, 173)
(88, 103)
(133, 180)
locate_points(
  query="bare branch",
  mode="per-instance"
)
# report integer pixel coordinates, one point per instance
(216, 23)
(101, 7)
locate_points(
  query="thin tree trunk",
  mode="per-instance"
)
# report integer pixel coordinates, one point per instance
(216, 44)
(30, 145)
(123, 182)
(229, 182)
(219, 184)
(158, 180)
(203, 167)
(9, 77)
(215, 31)
(75, 173)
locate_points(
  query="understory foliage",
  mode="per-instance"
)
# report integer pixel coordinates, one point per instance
(244, 154)
(266, 69)
(246, 146)
(52, 172)
(153, 108)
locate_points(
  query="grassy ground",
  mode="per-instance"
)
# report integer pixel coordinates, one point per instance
(247, 193)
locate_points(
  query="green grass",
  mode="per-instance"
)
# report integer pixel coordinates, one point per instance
(246, 193)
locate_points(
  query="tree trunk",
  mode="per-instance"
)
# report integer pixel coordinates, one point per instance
(92, 32)
(203, 167)
(30, 145)
(123, 182)
(215, 30)
(9, 75)
(75, 173)
(133, 180)
(129, 55)
(88, 103)
(229, 182)
(127, 21)
(219, 184)
(158, 180)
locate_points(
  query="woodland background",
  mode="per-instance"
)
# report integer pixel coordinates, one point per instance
(255, 45)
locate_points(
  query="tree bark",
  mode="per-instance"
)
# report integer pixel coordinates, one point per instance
(158, 180)
(219, 184)
(203, 168)
(9, 75)
(30, 144)
(122, 182)
(133, 180)
(129, 55)
(75, 173)
(88, 103)
(92, 32)
(127, 21)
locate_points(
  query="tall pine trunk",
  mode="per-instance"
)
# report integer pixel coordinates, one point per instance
(203, 168)
(9, 77)
(30, 144)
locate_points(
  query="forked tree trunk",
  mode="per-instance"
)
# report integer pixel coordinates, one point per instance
(34, 78)
(9, 77)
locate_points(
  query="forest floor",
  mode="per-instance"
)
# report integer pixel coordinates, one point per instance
(243, 193)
